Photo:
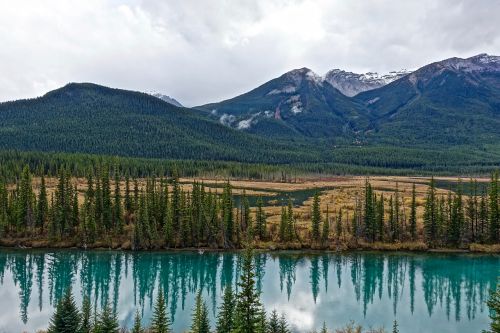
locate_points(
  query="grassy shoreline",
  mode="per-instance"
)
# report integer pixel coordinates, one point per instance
(27, 243)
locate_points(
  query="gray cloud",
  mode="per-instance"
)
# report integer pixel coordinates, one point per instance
(204, 51)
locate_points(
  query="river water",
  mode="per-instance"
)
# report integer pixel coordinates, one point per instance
(423, 292)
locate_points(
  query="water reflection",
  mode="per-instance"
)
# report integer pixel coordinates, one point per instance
(448, 291)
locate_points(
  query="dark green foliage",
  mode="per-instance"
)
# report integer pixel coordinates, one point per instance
(413, 214)
(273, 325)
(66, 318)
(160, 322)
(137, 328)
(494, 210)
(260, 220)
(107, 323)
(395, 327)
(225, 317)
(248, 307)
(316, 218)
(200, 322)
(86, 316)
(431, 215)
(369, 215)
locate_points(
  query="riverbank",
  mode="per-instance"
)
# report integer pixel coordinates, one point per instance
(126, 245)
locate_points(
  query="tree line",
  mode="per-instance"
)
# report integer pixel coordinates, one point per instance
(160, 212)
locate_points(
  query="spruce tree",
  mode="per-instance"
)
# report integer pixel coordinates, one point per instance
(137, 327)
(25, 213)
(273, 325)
(248, 307)
(42, 206)
(260, 220)
(290, 223)
(369, 216)
(227, 215)
(325, 234)
(86, 316)
(316, 218)
(107, 322)
(430, 215)
(494, 210)
(413, 214)
(199, 321)
(117, 205)
(283, 324)
(160, 322)
(324, 329)
(66, 318)
(395, 327)
(225, 316)
(283, 225)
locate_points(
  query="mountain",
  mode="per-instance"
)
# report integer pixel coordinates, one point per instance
(351, 84)
(88, 118)
(451, 102)
(167, 99)
(298, 104)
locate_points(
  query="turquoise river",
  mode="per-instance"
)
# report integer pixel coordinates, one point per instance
(423, 292)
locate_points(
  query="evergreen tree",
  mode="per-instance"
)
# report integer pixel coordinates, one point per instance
(225, 317)
(117, 205)
(283, 225)
(86, 317)
(107, 322)
(260, 220)
(325, 234)
(160, 322)
(248, 307)
(273, 325)
(137, 328)
(413, 214)
(42, 206)
(66, 318)
(290, 223)
(227, 215)
(494, 210)
(200, 322)
(369, 216)
(316, 218)
(283, 325)
(380, 223)
(25, 213)
(430, 215)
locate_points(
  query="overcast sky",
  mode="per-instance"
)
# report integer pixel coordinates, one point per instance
(208, 50)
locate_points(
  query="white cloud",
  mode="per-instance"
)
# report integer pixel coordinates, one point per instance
(204, 51)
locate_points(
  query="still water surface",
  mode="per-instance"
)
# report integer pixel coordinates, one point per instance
(424, 292)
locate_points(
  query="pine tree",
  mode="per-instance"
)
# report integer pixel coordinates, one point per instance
(260, 220)
(369, 216)
(494, 305)
(117, 205)
(137, 328)
(66, 318)
(413, 214)
(316, 218)
(86, 317)
(325, 234)
(42, 206)
(25, 213)
(227, 215)
(248, 307)
(494, 210)
(225, 317)
(160, 322)
(290, 223)
(283, 225)
(107, 322)
(200, 322)
(430, 215)
(380, 223)
(283, 325)
(273, 325)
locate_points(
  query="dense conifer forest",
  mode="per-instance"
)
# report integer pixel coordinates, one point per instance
(118, 210)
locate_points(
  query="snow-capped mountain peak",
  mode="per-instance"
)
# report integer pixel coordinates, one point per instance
(351, 84)
(166, 98)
